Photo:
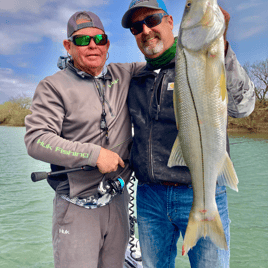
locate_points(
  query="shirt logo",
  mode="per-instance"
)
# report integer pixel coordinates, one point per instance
(114, 82)
(170, 86)
(61, 231)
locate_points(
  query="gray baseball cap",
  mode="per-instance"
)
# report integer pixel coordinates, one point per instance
(73, 27)
(135, 4)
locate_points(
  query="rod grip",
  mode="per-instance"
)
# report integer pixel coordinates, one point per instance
(39, 176)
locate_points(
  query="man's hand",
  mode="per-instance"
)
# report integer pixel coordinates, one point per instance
(108, 161)
(227, 19)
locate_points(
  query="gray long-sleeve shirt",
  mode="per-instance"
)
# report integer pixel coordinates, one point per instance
(64, 127)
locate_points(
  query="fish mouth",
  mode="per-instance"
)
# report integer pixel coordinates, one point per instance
(204, 18)
(209, 16)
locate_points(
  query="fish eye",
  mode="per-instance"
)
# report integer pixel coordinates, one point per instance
(188, 5)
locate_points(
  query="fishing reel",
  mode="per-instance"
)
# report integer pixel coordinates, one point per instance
(111, 186)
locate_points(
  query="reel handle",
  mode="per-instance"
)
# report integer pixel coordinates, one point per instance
(39, 176)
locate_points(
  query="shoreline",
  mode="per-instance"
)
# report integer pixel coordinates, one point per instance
(261, 133)
(245, 132)
(2, 125)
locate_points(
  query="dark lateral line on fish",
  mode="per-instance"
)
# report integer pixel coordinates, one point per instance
(188, 81)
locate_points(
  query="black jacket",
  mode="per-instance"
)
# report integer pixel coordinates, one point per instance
(150, 102)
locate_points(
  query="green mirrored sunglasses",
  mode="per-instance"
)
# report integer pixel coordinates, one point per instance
(84, 40)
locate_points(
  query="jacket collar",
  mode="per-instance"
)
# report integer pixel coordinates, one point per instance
(149, 69)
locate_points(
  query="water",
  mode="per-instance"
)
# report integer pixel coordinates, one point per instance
(26, 207)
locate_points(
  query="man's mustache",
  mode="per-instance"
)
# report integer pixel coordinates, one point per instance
(146, 37)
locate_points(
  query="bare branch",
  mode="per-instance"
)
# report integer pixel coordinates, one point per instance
(258, 73)
(23, 100)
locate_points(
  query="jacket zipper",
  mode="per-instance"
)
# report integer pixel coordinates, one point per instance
(150, 166)
(157, 112)
(151, 171)
(159, 101)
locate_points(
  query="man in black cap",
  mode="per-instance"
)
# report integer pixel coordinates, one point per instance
(165, 195)
(80, 118)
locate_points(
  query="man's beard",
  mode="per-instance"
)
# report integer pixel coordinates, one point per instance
(152, 50)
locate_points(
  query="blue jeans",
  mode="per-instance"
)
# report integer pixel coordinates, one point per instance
(162, 214)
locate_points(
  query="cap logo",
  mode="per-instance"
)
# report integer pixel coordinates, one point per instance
(135, 2)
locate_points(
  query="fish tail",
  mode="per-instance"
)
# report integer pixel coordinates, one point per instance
(201, 225)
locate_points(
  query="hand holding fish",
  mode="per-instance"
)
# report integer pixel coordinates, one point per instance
(227, 19)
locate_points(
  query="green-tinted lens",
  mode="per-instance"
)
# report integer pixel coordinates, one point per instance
(82, 40)
(98, 38)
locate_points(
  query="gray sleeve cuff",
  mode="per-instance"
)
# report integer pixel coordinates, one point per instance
(94, 155)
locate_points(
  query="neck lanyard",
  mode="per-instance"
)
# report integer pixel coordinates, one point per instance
(103, 124)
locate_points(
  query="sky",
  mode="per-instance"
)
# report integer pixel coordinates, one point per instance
(32, 32)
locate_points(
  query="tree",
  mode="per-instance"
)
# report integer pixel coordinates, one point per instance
(13, 112)
(258, 73)
(22, 100)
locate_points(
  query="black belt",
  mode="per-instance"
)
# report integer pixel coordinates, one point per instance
(175, 184)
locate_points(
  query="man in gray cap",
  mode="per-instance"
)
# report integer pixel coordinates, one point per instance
(165, 195)
(80, 118)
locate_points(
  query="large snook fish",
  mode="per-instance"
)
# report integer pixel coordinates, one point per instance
(200, 104)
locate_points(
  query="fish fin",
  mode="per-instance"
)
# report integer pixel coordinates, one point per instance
(176, 158)
(228, 175)
(201, 226)
(223, 91)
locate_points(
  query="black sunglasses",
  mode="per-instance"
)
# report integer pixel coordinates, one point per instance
(150, 21)
(84, 40)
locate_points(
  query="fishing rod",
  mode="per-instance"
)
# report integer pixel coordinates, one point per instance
(112, 187)
(39, 176)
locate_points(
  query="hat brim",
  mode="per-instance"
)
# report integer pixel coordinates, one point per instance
(126, 20)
